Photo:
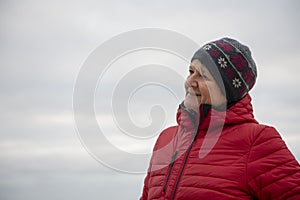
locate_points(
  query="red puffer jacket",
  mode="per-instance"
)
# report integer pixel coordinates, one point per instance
(228, 156)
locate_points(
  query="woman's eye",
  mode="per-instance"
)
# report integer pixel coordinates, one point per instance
(191, 71)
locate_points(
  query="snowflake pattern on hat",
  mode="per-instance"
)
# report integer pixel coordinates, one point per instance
(236, 83)
(207, 47)
(222, 62)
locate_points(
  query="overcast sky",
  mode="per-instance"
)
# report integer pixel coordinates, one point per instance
(44, 44)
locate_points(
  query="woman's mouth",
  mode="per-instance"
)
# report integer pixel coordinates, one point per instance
(194, 94)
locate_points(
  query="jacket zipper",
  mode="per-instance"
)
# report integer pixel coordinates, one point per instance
(170, 170)
(184, 163)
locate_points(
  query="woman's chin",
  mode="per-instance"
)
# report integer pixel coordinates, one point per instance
(192, 104)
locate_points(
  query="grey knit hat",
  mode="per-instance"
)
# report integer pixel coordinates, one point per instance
(232, 66)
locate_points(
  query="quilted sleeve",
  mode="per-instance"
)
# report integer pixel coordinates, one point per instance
(272, 170)
(158, 156)
(145, 189)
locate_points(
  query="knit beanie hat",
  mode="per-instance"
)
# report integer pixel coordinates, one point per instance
(232, 66)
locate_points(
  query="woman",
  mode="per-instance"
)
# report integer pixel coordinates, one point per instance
(218, 150)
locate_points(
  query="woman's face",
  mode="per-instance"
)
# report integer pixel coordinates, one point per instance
(201, 88)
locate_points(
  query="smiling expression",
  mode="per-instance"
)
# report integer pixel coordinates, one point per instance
(201, 88)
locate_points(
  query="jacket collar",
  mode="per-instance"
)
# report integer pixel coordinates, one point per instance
(210, 118)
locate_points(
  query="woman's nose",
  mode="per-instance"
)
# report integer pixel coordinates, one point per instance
(192, 82)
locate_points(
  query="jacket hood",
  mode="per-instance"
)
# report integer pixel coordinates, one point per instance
(210, 118)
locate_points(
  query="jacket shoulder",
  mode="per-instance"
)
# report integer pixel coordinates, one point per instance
(253, 130)
(165, 137)
(272, 170)
(258, 133)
